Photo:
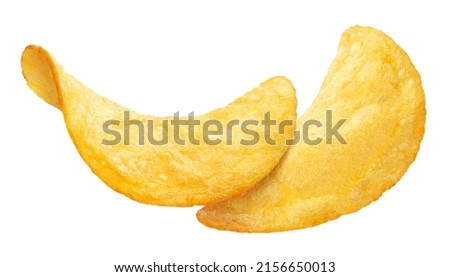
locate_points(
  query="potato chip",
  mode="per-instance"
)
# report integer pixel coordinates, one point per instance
(178, 165)
(371, 85)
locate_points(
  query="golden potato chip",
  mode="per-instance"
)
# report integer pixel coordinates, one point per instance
(159, 160)
(374, 95)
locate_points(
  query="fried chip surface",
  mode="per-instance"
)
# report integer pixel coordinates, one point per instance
(170, 174)
(373, 85)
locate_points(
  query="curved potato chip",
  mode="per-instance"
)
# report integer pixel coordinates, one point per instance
(373, 85)
(171, 173)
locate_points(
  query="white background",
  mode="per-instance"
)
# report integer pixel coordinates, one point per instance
(59, 219)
